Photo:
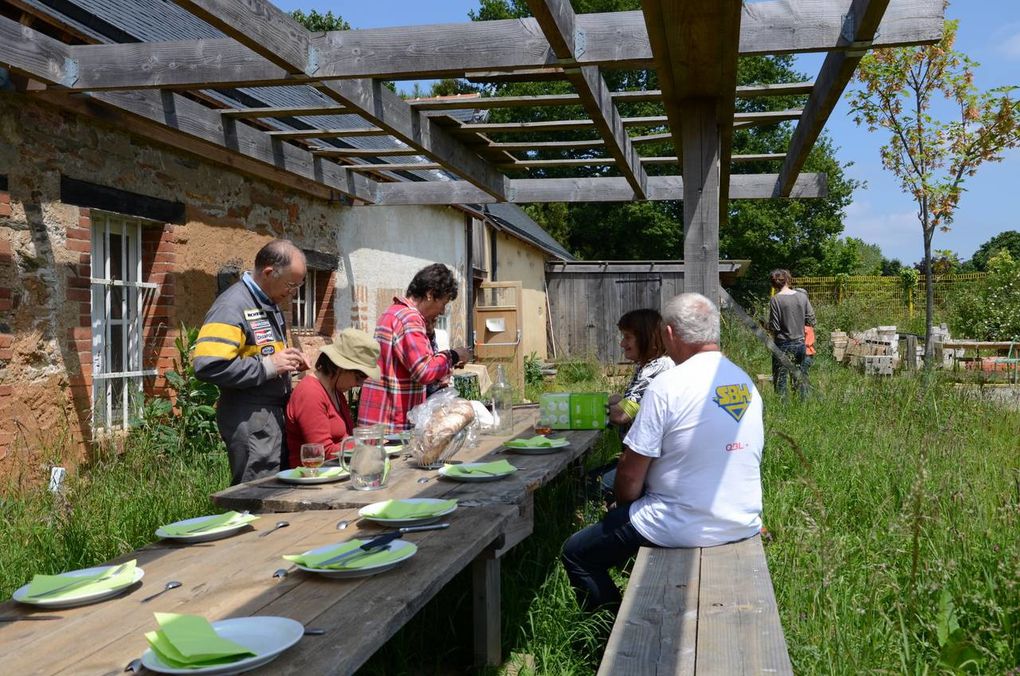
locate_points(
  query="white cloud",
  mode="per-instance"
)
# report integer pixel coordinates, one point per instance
(897, 233)
(1010, 46)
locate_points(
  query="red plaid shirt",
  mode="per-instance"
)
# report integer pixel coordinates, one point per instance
(408, 364)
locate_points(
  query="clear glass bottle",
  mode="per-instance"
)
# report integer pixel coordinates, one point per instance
(502, 403)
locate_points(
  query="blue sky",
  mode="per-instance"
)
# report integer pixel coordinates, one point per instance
(880, 214)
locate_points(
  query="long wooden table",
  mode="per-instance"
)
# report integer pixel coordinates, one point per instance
(233, 577)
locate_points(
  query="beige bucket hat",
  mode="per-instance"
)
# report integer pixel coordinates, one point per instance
(356, 351)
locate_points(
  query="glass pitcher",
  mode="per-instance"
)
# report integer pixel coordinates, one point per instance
(363, 455)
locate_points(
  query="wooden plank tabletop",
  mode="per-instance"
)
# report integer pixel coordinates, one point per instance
(270, 495)
(233, 578)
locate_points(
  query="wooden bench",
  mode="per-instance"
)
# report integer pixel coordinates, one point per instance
(698, 611)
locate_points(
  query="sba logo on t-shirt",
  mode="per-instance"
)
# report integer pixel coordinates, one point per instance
(734, 399)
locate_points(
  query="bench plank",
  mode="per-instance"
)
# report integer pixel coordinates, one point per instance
(739, 631)
(657, 625)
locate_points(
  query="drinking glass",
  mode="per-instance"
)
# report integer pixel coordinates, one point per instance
(312, 457)
(543, 425)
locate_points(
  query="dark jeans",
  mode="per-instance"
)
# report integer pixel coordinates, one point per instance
(794, 349)
(590, 553)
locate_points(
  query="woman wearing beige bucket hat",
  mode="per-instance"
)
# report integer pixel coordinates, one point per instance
(317, 412)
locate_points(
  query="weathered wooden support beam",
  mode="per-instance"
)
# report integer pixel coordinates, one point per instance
(296, 134)
(294, 111)
(265, 30)
(612, 40)
(862, 22)
(701, 195)
(393, 166)
(557, 20)
(615, 189)
(366, 152)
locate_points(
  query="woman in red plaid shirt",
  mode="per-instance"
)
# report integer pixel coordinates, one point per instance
(406, 358)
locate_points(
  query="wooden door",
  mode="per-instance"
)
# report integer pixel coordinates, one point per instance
(498, 329)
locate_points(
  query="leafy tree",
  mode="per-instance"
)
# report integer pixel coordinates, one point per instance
(932, 156)
(772, 233)
(943, 262)
(1008, 241)
(891, 268)
(320, 23)
(993, 313)
(850, 256)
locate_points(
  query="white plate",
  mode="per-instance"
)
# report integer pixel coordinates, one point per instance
(84, 597)
(407, 549)
(472, 478)
(290, 476)
(267, 637)
(226, 530)
(406, 522)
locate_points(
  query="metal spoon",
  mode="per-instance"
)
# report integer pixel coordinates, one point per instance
(279, 524)
(424, 479)
(343, 524)
(282, 572)
(172, 584)
(134, 666)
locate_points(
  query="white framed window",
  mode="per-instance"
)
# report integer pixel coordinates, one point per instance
(303, 304)
(118, 296)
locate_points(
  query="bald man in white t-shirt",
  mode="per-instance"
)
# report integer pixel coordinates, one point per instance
(690, 472)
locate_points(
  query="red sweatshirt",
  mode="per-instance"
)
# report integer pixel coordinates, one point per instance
(313, 419)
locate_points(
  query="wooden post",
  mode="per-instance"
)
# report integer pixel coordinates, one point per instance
(485, 572)
(910, 359)
(701, 197)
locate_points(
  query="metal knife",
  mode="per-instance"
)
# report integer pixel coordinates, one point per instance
(418, 529)
(383, 541)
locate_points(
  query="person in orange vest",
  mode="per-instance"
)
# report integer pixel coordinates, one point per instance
(809, 343)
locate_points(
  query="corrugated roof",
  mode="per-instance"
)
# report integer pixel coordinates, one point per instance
(111, 21)
(516, 220)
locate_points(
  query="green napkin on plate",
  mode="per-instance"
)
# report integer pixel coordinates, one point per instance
(211, 523)
(189, 641)
(487, 468)
(307, 472)
(402, 509)
(534, 442)
(357, 561)
(47, 586)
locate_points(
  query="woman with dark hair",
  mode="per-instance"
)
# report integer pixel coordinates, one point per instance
(317, 412)
(641, 340)
(407, 360)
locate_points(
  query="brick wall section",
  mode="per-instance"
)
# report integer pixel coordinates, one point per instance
(325, 317)
(79, 338)
(159, 323)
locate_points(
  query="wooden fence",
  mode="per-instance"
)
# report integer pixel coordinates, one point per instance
(887, 293)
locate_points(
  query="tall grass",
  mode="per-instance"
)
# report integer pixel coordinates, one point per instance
(110, 506)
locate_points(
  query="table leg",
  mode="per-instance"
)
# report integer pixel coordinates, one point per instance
(486, 582)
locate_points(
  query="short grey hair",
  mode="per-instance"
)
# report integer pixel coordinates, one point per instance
(693, 318)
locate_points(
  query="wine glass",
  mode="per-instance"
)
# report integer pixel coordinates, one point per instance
(312, 457)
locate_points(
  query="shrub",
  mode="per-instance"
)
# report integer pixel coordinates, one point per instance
(577, 371)
(993, 311)
(532, 369)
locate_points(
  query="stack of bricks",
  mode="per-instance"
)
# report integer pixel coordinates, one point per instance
(840, 342)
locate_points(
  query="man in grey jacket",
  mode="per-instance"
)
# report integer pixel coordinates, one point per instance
(242, 348)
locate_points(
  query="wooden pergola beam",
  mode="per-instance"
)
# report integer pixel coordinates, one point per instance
(638, 96)
(863, 20)
(752, 119)
(612, 40)
(566, 162)
(171, 119)
(615, 189)
(300, 134)
(260, 27)
(557, 19)
(293, 111)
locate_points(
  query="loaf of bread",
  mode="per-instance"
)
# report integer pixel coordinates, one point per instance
(442, 427)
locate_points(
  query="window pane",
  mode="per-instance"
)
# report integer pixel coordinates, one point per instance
(116, 306)
(116, 351)
(116, 247)
(99, 403)
(116, 403)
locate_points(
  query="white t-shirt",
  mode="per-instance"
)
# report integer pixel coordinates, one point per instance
(702, 423)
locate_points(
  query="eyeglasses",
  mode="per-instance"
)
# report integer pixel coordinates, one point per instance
(290, 285)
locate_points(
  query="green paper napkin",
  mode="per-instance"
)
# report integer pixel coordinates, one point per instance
(357, 561)
(218, 521)
(43, 586)
(184, 641)
(402, 509)
(306, 472)
(534, 442)
(487, 468)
